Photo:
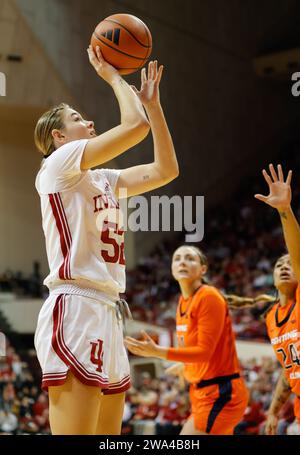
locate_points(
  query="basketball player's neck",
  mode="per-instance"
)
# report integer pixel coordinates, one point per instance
(285, 298)
(188, 288)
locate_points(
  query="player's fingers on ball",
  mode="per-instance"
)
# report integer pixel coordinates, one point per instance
(99, 53)
(90, 53)
(93, 58)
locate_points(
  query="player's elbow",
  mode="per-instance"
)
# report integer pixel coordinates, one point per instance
(174, 172)
(140, 128)
(144, 128)
(206, 351)
(169, 174)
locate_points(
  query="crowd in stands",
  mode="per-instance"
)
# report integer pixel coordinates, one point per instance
(160, 406)
(21, 285)
(23, 406)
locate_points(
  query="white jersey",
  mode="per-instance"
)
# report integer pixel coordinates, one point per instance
(84, 242)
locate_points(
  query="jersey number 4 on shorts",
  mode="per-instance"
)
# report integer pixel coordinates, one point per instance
(97, 354)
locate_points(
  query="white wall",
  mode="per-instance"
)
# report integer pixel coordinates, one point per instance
(22, 315)
(249, 349)
(21, 236)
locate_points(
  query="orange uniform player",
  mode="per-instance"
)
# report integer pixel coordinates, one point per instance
(283, 319)
(206, 347)
(283, 325)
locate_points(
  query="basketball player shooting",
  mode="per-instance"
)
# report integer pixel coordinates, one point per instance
(79, 335)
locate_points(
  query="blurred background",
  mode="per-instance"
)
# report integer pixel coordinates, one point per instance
(226, 92)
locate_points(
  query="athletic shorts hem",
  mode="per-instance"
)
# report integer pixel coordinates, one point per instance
(119, 389)
(56, 379)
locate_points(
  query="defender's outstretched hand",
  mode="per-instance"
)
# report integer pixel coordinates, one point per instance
(280, 195)
(149, 92)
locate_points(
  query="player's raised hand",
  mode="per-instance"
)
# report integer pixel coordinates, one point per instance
(271, 425)
(280, 194)
(149, 92)
(104, 69)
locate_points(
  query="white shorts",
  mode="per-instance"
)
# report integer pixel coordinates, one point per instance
(84, 335)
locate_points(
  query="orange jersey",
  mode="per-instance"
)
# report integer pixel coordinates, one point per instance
(206, 343)
(283, 325)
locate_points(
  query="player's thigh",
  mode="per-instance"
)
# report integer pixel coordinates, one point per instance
(216, 418)
(73, 407)
(218, 408)
(110, 414)
(190, 429)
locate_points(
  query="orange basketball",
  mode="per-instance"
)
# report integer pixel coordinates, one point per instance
(125, 42)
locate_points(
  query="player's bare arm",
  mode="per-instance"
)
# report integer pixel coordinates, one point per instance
(281, 395)
(133, 127)
(240, 302)
(200, 352)
(164, 168)
(280, 197)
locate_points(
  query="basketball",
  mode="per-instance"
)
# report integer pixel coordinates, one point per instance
(125, 42)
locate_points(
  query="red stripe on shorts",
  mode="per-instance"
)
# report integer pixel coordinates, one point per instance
(118, 389)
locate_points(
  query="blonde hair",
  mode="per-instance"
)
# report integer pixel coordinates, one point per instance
(50, 120)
